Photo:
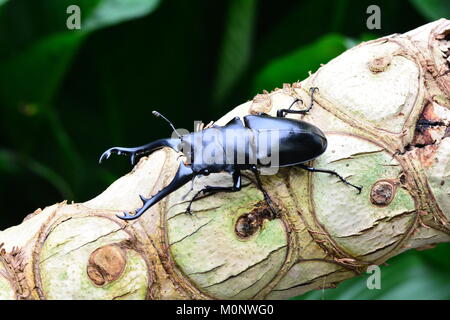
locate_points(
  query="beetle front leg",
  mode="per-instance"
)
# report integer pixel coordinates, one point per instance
(183, 175)
(312, 169)
(282, 112)
(237, 183)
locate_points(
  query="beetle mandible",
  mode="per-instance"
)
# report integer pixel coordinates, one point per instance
(297, 143)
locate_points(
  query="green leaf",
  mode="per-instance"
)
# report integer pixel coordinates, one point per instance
(438, 257)
(110, 12)
(10, 163)
(236, 47)
(33, 73)
(407, 276)
(433, 9)
(295, 66)
(351, 42)
(46, 61)
(304, 22)
(44, 64)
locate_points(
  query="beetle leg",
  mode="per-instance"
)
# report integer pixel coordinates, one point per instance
(282, 112)
(261, 188)
(192, 188)
(183, 175)
(237, 181)
(330, 172)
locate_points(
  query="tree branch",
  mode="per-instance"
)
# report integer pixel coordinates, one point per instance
(385, 108)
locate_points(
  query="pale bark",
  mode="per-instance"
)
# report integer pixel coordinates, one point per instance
(370, 105)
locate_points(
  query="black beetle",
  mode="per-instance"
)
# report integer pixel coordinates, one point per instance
(295, 142)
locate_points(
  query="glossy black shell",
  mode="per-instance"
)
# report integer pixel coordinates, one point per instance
(256, 140)
(299, 141)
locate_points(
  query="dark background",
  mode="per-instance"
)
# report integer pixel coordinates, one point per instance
(67, 95)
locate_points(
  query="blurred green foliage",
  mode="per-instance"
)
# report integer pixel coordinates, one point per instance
(67, 95)
(417, 275)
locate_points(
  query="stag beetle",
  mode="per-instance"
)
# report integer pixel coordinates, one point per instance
(297, 143)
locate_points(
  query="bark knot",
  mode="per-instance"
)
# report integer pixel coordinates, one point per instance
(249, 223)
(379, 64)
(106, 264)
(382, 193)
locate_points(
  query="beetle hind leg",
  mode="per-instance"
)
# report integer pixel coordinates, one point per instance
(281, 113)
(312, 169)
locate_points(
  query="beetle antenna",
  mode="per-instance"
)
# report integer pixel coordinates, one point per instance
(158, 115)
